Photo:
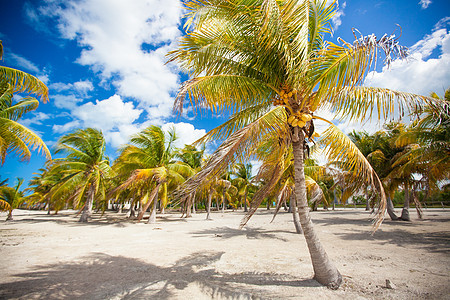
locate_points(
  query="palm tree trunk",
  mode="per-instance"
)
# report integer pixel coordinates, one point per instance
(390, 209)
(150, 198)
(152, 218)
(10, 217)
(324, 270)
(188, 208)
(87, 211)
(295, 215)
(245, 200)
(405, 210)
(208, 207)
(224, 199)
(367, 200)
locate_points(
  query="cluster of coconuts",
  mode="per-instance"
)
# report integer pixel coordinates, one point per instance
(299, 119)
(284, 97)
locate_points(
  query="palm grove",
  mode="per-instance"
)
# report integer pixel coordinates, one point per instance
(266, 64)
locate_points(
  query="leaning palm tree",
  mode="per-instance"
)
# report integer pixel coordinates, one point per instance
(15, 137)
(85, 169)
(11, 198)
(269, 64)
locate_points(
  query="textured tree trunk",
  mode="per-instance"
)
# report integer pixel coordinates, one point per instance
(193, 208)
(87, 211)
(10, 217)
(405, 210)
(390, 209)
(150, 199)
(188, 208)
(152, 218)
(245, 201)
(224, 201)
(208, 207)
(324, 270)
(295, 215)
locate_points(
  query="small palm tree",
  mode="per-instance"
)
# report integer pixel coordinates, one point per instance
(11, 198)
(85, 169)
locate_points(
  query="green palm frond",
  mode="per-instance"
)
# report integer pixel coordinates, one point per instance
(339, 147)
(19, 139)
(22, 82)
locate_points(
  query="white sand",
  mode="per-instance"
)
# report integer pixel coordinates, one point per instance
(55, 257)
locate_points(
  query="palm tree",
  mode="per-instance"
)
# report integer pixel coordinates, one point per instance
(85, 169)
(147, 165)
(268, 63)
(430, 137)
(11, 198)
(243, 181)
(15, 137)
(41, 186)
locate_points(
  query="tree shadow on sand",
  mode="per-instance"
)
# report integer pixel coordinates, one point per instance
(432, 241)
(102, 276)
(250, 232)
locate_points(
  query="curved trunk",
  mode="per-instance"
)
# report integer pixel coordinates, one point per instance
(10, 217)
(87, 211)
(324, 270)
(152, 218)
(150, 198)
(390, 209)
(208, 207)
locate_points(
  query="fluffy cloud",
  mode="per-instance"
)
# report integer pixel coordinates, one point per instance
(125, 43)
(186, 133)
(80, 87)
(336, 19)
(113, 116)
(419, 74)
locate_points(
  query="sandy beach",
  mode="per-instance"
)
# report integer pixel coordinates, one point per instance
(55, 257)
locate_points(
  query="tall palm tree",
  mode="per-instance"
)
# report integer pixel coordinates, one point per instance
(11, 198)
(269, 64)
(147, 164)
(15, 137)
(85, 169)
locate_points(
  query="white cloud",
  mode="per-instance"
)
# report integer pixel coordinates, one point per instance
(21, 62)
(420, 74)
(65, 101)
(336, 19)
(80, 87)
(66, 127)
(186, 133)
(36, 119)
(125, 42)
(107, 114)
(425, 3)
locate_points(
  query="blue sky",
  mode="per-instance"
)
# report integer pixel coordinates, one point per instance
(104, 62)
